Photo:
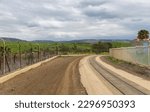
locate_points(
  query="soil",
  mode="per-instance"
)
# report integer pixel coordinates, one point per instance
(57, 77)
(134, 69)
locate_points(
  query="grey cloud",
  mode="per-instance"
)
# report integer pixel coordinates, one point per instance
(72, 19)
(137, 20)
(102, 14)
(85, 3)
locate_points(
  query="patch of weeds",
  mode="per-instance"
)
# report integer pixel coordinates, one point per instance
(129, 66)
(104, 53)
(117, 61)
(113, 60)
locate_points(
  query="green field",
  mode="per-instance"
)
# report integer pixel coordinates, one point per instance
(62, 47)
(25, 46)
(121, 44)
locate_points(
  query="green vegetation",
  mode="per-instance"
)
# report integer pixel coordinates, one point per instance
(74, 48)
(101, 47)
(52, 47)
(143, 34)
(120, 44)
(114, 60)
(139, 69)
(63, 48)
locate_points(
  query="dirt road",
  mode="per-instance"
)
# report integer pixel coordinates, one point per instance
(59, 76)
(105, 79)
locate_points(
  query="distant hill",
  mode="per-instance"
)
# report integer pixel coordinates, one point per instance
(70, 41)
(43, 41)
(96, 40)
(81, 41)
(11, 39)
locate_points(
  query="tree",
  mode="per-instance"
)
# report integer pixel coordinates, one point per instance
(101, 47)
(143, 34)
(75, 48)
(64, 49)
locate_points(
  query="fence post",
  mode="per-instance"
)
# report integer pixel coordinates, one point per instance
(38, 51)
(3, 54)
(57, 51)
(19, 53)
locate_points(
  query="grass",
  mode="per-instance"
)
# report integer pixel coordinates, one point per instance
(121, 44)
(104, 53)
(117, 61)
(139, 69)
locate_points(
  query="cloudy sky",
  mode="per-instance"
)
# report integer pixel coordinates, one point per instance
(73, 19)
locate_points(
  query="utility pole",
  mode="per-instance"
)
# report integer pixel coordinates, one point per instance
(38, 51)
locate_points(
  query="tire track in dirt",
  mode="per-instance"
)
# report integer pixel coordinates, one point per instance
(71, 80)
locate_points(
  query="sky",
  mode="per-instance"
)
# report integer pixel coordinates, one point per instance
(73, 19)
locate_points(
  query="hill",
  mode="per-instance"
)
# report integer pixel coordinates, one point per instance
(11, 39)
(70, 41)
